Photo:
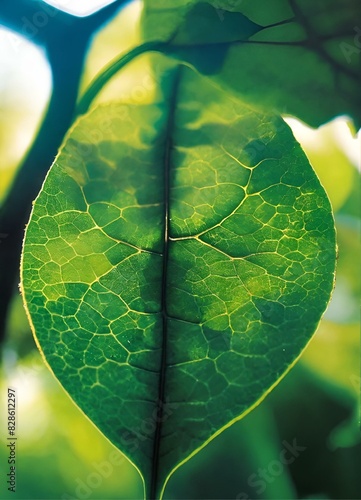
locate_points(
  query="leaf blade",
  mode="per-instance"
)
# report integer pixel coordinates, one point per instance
(296, 57)
(102, 296)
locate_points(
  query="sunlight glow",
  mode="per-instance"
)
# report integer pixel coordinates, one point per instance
(27, 378)
(25, 86)
(341, 133)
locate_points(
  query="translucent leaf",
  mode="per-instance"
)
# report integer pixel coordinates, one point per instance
(177, 261)
(299, 57)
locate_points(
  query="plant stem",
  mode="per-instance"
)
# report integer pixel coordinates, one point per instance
(114, 66)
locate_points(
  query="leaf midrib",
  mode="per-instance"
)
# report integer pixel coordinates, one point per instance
(163, 365)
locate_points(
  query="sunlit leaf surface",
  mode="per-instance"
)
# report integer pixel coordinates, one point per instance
(177, 261)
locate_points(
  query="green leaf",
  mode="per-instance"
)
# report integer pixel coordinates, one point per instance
(194, 23)
(177, 261)
(298, 57)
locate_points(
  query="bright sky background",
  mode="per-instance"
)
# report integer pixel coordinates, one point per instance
(79, 8)
(25, 85)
